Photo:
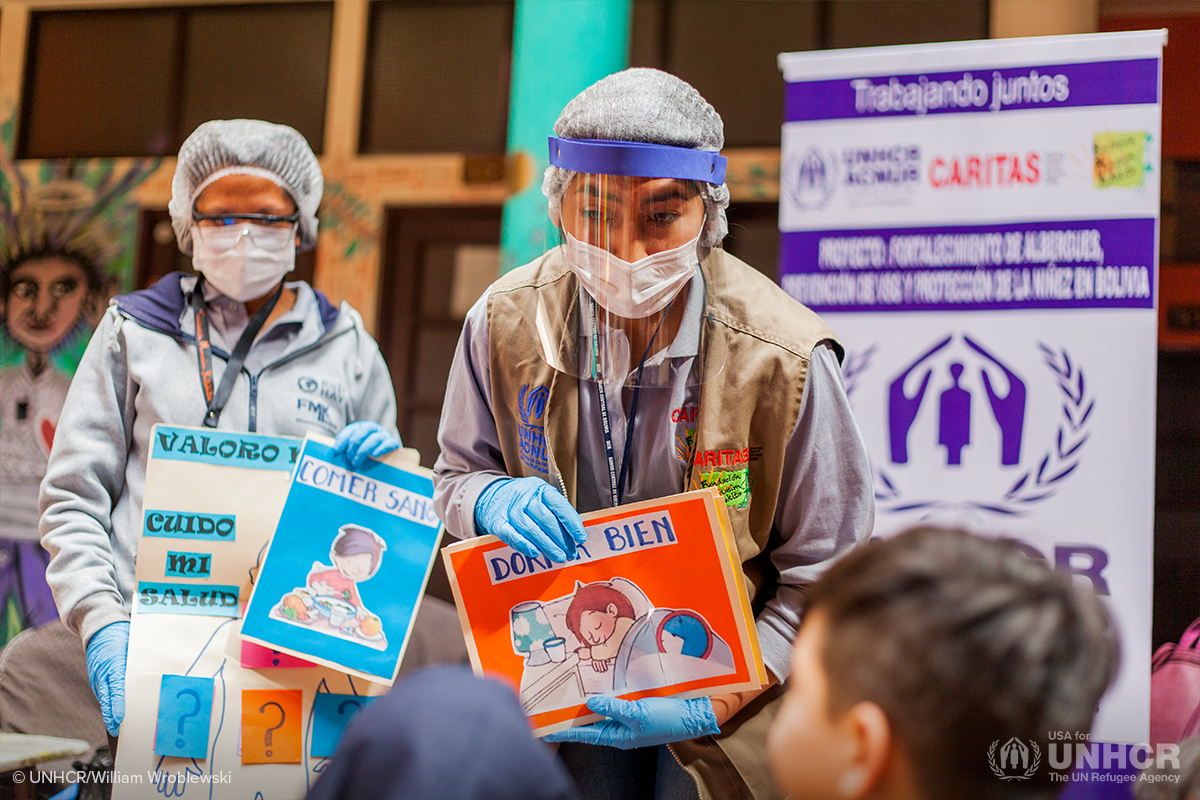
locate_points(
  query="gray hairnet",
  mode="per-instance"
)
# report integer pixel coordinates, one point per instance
(253, 147)
(644, 105)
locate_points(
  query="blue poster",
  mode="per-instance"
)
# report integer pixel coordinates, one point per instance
(347, 565)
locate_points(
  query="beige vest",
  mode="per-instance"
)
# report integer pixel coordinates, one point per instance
(747, 412)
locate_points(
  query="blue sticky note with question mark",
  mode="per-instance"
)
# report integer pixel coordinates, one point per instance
(331, 713)
(184, 716)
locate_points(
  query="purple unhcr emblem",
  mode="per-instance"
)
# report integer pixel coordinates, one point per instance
(954, 407)
(1009, 410)
(1036, 482)
(810, 181)
(954, 427)
(902, 409)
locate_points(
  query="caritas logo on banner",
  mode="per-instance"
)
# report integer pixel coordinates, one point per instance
(978, 223)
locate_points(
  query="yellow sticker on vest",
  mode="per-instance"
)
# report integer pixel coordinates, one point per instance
(734, 485)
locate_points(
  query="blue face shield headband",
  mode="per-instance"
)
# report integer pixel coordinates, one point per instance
(637, 159)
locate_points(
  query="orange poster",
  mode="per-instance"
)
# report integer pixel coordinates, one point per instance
(655, 606)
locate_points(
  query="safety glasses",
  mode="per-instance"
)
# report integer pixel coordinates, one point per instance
(268, 231)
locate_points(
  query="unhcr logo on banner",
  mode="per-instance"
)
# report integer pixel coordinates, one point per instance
(810, 180)
(1016, 761)
(1084, 761)
(954, 382)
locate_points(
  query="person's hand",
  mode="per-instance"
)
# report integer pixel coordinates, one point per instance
(106, 653)
(361, 439)
(323, 589)
(531, 518)
(643, 723)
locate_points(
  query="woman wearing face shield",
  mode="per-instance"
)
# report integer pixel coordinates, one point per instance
(234, 347)
(637, 360)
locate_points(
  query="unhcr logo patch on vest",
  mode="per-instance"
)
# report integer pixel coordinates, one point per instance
(531, 404)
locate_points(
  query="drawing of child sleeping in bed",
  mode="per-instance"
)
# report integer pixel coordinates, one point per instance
(616, 642)
(599, 616)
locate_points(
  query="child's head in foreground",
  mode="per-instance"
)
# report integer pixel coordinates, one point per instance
(920, 651)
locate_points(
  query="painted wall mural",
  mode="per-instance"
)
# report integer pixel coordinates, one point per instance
(67, 240)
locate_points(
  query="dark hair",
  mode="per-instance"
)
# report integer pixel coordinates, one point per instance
(596, 597)
(963, 641)
(354, 540)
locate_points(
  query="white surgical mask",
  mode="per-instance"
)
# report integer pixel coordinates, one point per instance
(245, 271)
(632, 290)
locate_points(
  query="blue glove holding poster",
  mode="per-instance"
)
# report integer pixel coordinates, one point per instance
(531, 518)
(363, 439)
(106, 652)
(643, 723)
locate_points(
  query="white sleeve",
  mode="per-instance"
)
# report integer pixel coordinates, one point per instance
(84, 478)
(471, 458)
(826, 503)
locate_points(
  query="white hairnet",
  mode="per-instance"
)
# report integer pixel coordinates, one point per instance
(644, 105)
(248, 147)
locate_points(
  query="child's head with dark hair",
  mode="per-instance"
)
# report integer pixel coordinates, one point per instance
(356, 552)
(594, 610)
(920, 651)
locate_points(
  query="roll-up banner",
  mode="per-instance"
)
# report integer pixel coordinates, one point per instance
(978, 221)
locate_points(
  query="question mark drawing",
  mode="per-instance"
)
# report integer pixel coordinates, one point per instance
(275, 658)
(195, 712)
(276, 726)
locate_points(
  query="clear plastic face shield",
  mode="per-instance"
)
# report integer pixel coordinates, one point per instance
(631, 220)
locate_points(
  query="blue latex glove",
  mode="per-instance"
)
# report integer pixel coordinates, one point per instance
(643, 723)
(361, 439)
(106, 652)
(531, 518)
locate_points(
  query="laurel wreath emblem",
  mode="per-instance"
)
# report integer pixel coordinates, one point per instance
(1035, 484)
(853, 366)
(1037, 761)
(1061, 459)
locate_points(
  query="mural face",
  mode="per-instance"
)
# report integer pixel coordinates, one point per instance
(46, 299)
(67, 233)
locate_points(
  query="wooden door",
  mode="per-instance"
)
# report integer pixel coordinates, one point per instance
(437, 262)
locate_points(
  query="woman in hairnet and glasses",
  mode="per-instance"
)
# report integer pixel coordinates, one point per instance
(637, 360)
(235, 347)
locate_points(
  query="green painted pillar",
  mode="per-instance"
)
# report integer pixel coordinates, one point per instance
(560, 47)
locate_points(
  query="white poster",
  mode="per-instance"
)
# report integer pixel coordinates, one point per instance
(978, 222)
(195, 694)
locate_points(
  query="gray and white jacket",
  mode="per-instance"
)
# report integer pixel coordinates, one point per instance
(315, 369)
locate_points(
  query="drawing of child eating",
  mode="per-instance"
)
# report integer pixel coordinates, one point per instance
(329, 601)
